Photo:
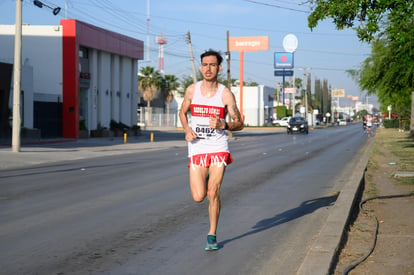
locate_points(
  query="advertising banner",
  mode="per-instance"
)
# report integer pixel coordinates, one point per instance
(290, 90)
(249, 44)
(338, 93)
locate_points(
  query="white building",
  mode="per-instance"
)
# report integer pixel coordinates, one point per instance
(257, 104)
(82, 76)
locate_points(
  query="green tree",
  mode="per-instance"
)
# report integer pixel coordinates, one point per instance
(318, 98)
(171, 86)
(367, 17)
(185, 82)
(326, 98)
(392, 84)
(252, 84)
(149, 83)
(233, 81)
(389, 26)
(300, 94)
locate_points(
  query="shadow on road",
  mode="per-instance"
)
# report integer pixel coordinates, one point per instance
(303, 209)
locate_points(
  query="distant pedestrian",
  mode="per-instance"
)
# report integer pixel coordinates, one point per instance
(369, 124)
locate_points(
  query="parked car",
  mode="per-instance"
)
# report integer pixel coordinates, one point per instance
(297, 125)
(281, 122)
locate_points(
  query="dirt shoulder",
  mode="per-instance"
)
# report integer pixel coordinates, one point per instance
(393, 252)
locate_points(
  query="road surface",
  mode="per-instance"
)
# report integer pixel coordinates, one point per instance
(133, 213)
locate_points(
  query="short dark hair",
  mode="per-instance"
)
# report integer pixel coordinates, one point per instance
(212, 52)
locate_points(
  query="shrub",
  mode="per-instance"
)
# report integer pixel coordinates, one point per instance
(390, 123)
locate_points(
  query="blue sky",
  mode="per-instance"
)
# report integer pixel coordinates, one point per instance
(327, 51)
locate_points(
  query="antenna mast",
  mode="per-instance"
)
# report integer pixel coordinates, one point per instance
(161, 40)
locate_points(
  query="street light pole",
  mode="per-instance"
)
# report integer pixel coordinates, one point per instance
(305, 81)
(17, 78)
(16, 127)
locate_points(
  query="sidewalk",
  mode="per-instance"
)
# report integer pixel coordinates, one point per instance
(33, 152)
(40, 151)
(390, 193)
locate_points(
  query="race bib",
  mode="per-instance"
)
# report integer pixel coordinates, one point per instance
(204, 131)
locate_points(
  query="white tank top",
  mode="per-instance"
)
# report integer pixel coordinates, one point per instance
(202, 108)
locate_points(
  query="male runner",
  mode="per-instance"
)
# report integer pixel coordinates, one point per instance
(209, 102)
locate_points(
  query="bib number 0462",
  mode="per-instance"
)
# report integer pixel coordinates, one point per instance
(205, 130)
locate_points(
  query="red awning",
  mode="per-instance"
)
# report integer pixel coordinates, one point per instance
(392, 115)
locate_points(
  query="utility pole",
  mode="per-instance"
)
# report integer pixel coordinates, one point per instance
(230, 133)
(306, 76)
(16, 78)
(192, 56)
(148, 24)
(228, 61)
(66, 9)
(304, 84)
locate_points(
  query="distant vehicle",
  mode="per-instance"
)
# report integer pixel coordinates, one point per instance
(281, 122)
(297, 125)
(342, 122)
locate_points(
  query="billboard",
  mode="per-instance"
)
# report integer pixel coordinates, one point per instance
(290, 90)
(249, 44)
(283, 60)
(338, 93)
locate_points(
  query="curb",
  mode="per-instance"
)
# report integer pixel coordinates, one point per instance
(40, 142)
(321, 256)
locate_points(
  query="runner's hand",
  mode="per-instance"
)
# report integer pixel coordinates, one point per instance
(190, 135)
(216, 123)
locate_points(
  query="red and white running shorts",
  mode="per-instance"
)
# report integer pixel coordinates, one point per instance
(205, 160)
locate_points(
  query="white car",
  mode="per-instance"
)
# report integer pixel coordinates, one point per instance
(342, 122)
(281, 122)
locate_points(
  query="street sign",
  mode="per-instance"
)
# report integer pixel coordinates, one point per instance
(283, 72)
(283, 60)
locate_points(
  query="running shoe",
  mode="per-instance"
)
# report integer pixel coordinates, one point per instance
(211, 243)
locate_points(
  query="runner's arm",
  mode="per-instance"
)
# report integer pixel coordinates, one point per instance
(185, 107)
(237, 121)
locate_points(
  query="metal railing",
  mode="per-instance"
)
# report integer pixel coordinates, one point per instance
(157, 118)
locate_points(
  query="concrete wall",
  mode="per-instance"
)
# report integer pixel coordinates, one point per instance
(41, 77)
(42, 50)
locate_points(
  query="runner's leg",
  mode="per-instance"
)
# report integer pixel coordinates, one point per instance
(213, 194)
(198, 187)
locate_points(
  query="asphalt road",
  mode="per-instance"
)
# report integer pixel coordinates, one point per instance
(132, 213)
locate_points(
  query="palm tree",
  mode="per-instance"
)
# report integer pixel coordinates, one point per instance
(171, 85)
(149, 82)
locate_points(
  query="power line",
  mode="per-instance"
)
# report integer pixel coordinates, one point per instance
(275, 6)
